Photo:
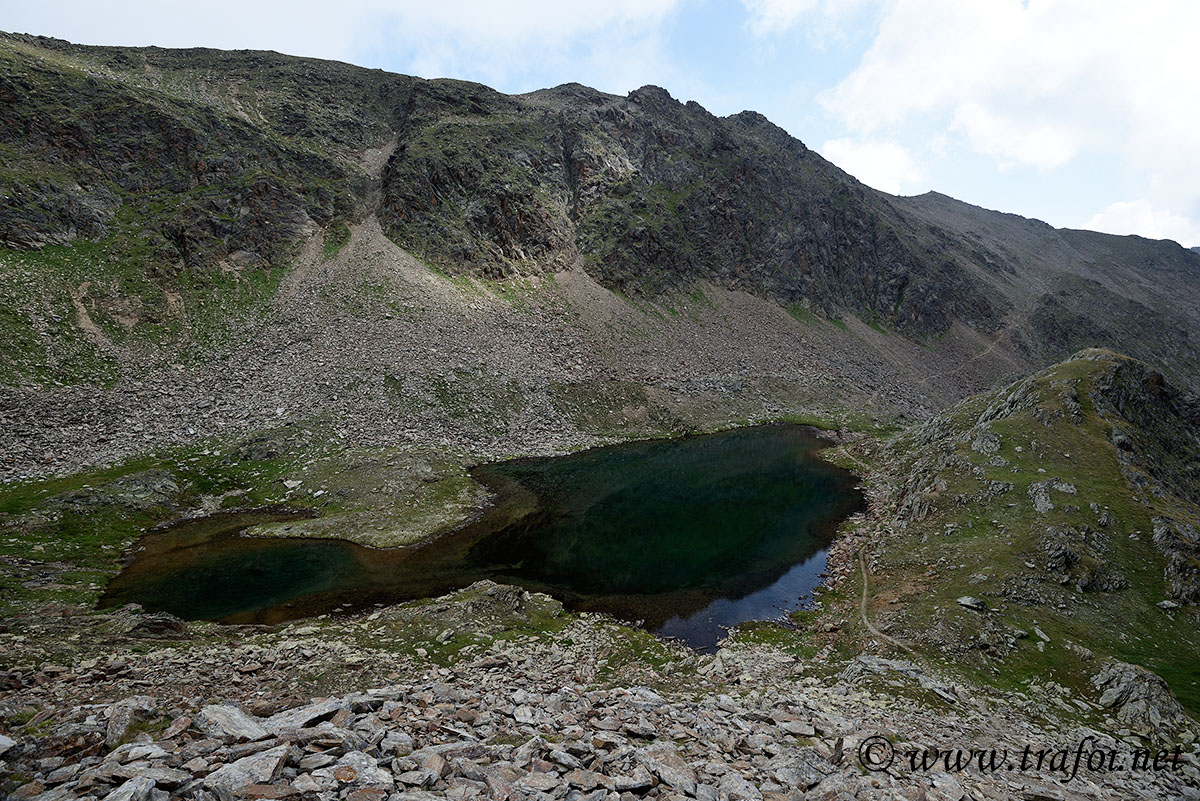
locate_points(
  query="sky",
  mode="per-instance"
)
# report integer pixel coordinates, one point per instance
(1082, 113)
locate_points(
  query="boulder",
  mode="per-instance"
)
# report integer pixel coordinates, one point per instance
(801, 769)
(664, 762)
(973, 603)
(229, 723)
(261, 768)
(302, 717)
(136, 789)
(122, 715)
(1141, 700)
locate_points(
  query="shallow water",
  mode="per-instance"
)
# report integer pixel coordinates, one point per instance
(687, 536)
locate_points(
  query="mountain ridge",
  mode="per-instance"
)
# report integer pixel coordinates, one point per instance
(646, 193)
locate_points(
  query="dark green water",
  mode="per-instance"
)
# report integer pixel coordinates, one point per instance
(686, 535)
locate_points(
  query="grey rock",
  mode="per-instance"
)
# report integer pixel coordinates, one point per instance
(63, 774)
(943, 787)
(302, 717)
(798, 728)
(306, 783)
(971, 602)
(985, 442)
(136, 752)
(1179, 542)
(418, 795)
(122, 715)
(803, 769)
(1141, 699)
(663, 761)
(735, 788)
(1040, 495)
(539, 782)
(167, 778)
(315, 761)
(137, 789)
(638, 779)
(369, 774)
(260, 768)
(526, 714)
(396, 742)
(585, 780)
(229, 723)
(420, 777)
(56, 794)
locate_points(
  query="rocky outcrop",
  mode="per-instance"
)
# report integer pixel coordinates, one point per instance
(162, 180)
(1156, 434)
(1140, 699)
(1179, 542)
(148, 489)
(517, 184)
(1078, 555)
(1155, 426)
(1096, 555)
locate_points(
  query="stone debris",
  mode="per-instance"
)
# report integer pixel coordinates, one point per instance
(519, 723)
(398, 743)
(228, 780)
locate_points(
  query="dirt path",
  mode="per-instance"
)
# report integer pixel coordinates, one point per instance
(988, 350)
(866, 581)
(862, 608)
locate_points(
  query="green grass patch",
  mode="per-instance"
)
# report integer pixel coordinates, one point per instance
(776, 636)
(64, 538)
(336, 237)
(802, 315)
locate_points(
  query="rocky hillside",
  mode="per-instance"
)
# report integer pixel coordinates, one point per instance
(245, 281)
(492, 691)
(176, 175)
(1047, 530)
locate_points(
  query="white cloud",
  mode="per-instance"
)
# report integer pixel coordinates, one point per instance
(1142, 218)
(1010, 141)
(775, 16)
(1040, 83)
(886, 166)
(824, 20)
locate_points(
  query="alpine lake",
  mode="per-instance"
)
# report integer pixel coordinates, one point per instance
(684, 536)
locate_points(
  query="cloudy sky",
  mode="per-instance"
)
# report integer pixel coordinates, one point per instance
(1084, 113)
